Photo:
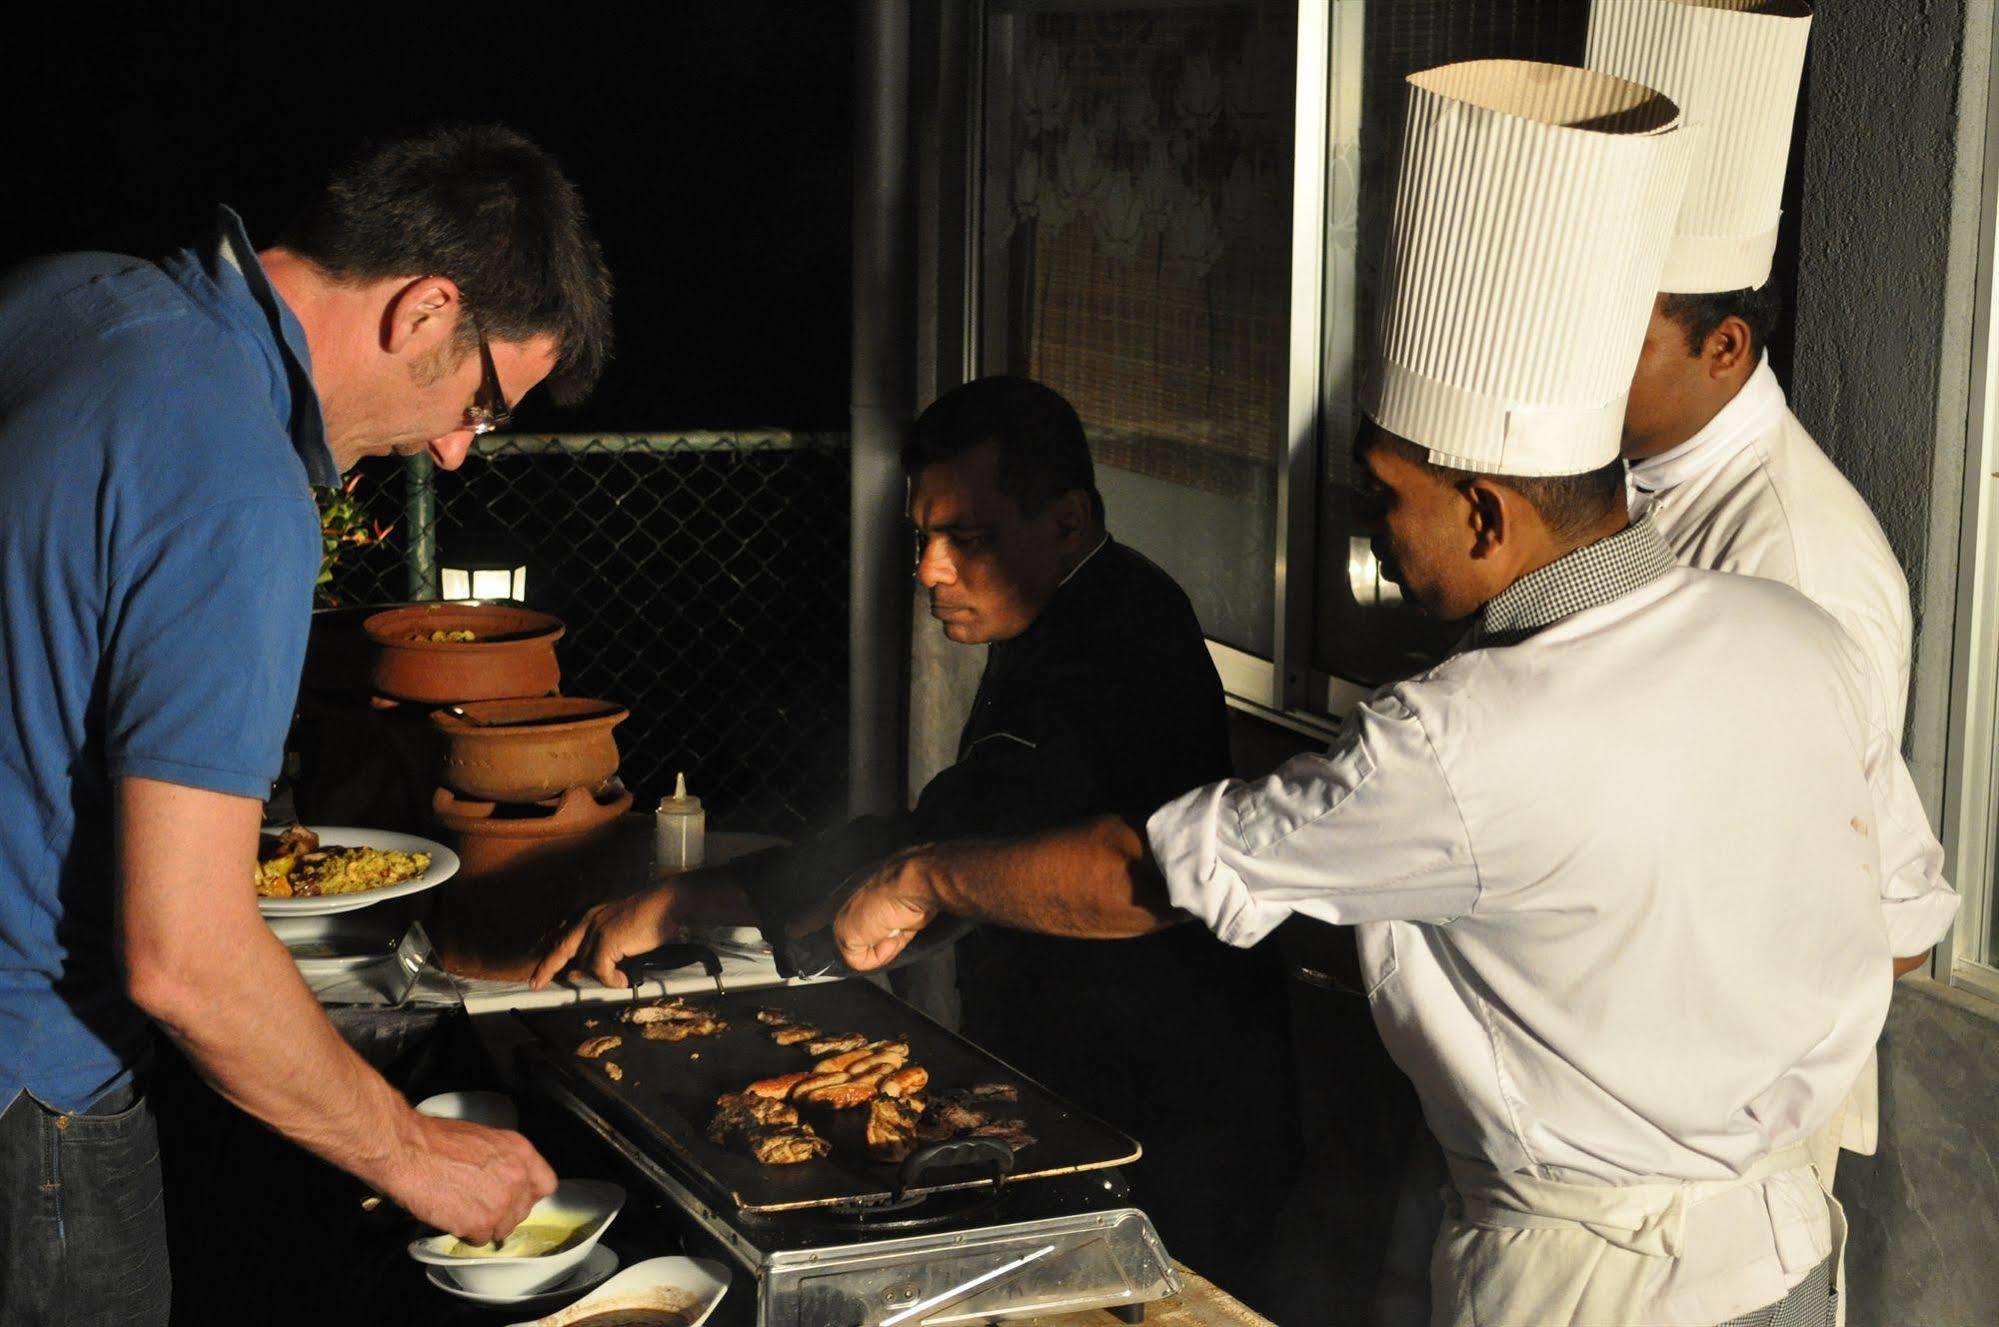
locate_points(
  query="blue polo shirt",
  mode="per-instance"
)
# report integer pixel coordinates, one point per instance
(158, 546)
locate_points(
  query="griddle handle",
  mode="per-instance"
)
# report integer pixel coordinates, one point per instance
(955, 1152)
(669, 957)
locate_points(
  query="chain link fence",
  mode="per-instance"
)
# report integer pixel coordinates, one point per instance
(702, 578)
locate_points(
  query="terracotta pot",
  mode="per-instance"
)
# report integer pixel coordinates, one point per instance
(513, 655)
(524, 869)
(528, 749)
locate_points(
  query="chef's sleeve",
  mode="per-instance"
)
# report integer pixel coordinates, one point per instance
(1917, 903)
(1369, 831)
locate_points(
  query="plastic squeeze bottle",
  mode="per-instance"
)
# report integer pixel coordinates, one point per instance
(679, 826)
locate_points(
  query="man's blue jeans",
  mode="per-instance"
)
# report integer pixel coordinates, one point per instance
(83, 1237)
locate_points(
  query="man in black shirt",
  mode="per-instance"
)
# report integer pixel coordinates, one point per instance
(1098, 697)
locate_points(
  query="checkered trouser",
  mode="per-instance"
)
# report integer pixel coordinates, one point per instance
(1810, 1303)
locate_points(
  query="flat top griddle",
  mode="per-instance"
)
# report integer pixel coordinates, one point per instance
(668, 1091)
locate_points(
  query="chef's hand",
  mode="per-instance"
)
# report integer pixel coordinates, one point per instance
(608, 934)
(475, 1182)
(886, 912)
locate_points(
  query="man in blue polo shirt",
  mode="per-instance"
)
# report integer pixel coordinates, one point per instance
(159, 425)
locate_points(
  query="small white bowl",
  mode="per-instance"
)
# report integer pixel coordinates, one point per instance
(691, 1287)
(598, 1266)
(488, 1108)
(589, 1205)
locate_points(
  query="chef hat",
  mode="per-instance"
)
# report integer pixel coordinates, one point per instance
(1532, 214)
(1734, 68)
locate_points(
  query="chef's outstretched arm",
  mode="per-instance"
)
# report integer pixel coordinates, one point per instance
(1094, 880)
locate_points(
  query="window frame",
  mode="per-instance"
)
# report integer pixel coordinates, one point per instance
(1967, 958)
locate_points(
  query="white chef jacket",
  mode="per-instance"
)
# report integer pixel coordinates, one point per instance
(1619, 891)
(1752, 493)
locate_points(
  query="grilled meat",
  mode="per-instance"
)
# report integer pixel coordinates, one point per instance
(592, 1047)
(661, 1011)
(836, 1064)
(903, 1082)
(681, 1030)
(852, 1041)
(773, 1017)
(892, 1128)
(1011, 1132)
(792, 1035)
(739, 1115)
(612, 1070)
(788, 1147)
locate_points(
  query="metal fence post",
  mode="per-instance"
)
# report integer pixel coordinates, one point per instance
(420, 475)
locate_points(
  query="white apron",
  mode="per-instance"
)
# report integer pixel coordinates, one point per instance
(1517, 1251)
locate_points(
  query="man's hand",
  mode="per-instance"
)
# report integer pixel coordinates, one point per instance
(894, 902)
(475, 1182)
(608, 934)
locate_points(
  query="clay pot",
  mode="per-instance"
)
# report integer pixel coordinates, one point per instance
(513, 655)
(528, 749)
(523, 870)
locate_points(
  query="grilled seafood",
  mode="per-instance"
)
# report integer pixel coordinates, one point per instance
(592, 1047)
(841, 1096)
(777, 1088)
(835, 1064)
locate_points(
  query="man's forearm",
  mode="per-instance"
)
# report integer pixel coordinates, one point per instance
(202, 962)
(246, 1020)
(1095, 880)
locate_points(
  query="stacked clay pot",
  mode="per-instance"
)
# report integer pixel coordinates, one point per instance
(462, 711)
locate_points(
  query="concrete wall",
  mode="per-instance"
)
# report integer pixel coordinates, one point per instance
(1888, 176)
(1892, 159)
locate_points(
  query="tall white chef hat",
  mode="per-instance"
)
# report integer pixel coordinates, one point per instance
(1734, 67)
(1532, 214)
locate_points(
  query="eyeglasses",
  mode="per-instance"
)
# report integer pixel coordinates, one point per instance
(489, 409)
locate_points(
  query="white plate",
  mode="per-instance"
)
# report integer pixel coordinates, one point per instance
(443, 865)
(488, 1108)
(595, 1269)
(329, 944)
(690, 1286)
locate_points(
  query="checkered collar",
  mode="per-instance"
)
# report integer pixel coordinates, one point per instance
(1590, 577)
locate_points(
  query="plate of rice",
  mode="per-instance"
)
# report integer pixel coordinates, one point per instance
(311, 870)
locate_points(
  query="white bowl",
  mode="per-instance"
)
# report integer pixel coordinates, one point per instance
(488, 1108)
(588, 1205)
(691, 1287)
(599, 1265)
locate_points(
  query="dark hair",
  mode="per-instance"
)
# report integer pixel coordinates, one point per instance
(1567, 504)
(484, 206)
(1042, 451)
(1570, 504)
(1699, 315)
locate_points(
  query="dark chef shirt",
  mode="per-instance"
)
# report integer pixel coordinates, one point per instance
(1108, 703)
